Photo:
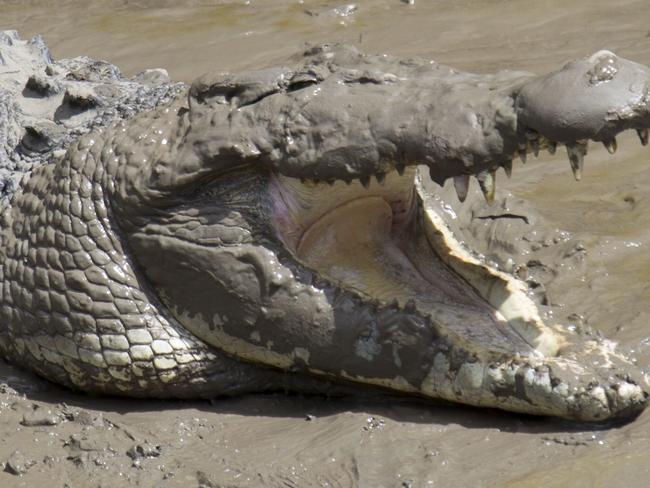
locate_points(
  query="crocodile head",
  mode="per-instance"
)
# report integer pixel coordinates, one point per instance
(282, 217)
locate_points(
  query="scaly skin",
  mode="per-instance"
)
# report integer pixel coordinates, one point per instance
(160, 256)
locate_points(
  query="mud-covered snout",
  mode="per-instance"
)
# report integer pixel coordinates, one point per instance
(591, 98)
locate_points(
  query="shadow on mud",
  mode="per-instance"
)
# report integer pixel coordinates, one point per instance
(373, 402)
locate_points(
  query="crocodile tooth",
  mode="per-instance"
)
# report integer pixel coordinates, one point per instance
(551, 147)
(522, 153)
(543, 142)
(643, 136)
(365, 181)
(410, 306)
(487, 182)
(576, 152)
(534, 144)
(381, 177)
(400, 168)
(611, 145)
(507, 167)
(461, 184)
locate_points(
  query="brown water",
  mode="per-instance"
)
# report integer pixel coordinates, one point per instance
(265, 440)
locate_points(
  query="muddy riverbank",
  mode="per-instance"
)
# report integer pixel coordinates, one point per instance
(586, 243)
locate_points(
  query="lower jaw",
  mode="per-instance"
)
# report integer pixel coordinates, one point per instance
(498, 351)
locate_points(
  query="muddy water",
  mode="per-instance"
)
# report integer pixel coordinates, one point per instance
(592, 238)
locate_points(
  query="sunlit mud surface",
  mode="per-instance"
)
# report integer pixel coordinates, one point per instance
(583, 246)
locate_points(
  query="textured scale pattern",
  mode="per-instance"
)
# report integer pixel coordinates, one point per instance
(74, 305)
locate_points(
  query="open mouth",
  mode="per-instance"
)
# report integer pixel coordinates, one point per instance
(385, 243)
(381, 239)
(319, 250)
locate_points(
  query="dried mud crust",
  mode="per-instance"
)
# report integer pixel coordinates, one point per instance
(47, 104)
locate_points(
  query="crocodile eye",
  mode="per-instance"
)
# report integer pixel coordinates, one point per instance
(303, 80)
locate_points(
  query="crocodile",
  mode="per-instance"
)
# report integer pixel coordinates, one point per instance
(275, 229)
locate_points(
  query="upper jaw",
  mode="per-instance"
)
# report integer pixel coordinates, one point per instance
(344, 116)
(595, 98)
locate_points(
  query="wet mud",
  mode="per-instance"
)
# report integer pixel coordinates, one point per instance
(581, 246)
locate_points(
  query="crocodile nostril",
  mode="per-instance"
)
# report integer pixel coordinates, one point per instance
(605, 69)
